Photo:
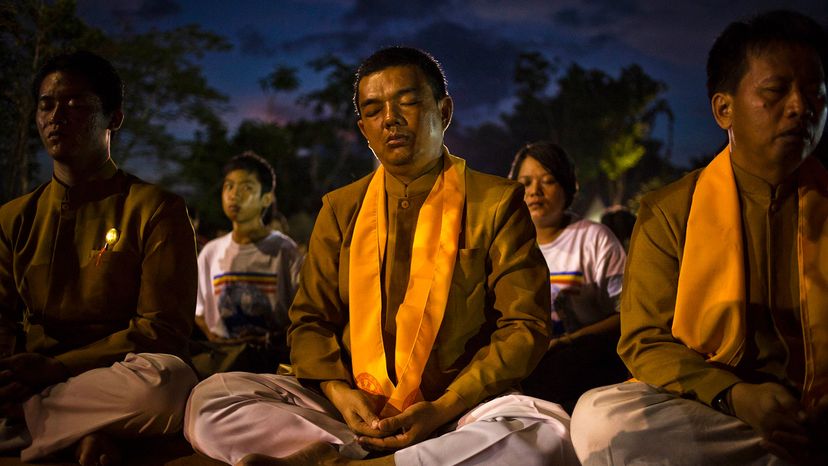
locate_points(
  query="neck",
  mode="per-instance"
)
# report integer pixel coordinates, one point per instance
(408, 178)
(548, 233)
(773, 173)
(74, 174)
(249, 232)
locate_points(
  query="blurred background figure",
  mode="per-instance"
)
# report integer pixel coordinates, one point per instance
(586, 265)
(621, 221)
(247, 278)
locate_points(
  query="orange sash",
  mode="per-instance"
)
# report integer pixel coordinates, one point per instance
(421, 313)
(710, 303)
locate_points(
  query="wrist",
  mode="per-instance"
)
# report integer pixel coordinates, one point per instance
(723, 402)
(330, 388)
(449, 406)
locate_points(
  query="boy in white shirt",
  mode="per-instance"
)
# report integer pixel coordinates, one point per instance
(248, 277)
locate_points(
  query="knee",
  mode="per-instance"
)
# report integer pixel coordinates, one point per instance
(203, 396)
(593, 424)
(162, 384)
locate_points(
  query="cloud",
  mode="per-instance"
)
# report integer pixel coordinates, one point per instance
(596, 13)
(253, 43)
(479, 65)
(568, 17)
(147, 10)
(376, 11)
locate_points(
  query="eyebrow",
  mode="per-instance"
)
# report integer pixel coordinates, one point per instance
(400, 93)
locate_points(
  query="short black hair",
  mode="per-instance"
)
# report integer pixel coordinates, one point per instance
(105, 81)
(727, 61)
(250, 161)
(403, 56)
(555, 160)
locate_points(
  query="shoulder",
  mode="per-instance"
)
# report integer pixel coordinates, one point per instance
(13, 212)
(491, 186)
(591, 230)
(344, 203)
(215, 245)
(674, 198)
(349, 193)
(277, 242)
(148, 194)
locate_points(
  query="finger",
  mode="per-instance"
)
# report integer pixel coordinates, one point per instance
(359, 426)
(783, 423)
(786, 401)
(392, 442)
(777, 450)
(393, 423)
(14, 391)
(6, 376)
(791, 442)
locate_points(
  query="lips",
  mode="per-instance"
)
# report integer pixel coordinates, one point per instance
(397, 140)
(798, 133)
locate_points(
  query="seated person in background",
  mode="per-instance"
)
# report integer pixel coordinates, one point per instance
(97, 284)
(621, 222)
(423, 301)
(586, 266)
(724, 317)
(247, 278)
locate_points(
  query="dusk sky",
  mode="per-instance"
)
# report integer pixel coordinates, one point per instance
(476, 41)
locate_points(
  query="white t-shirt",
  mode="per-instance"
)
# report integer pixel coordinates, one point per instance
(586, 268)
(246, 289)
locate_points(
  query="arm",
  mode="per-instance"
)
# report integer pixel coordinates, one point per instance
(10, 314)
(610, 325)
(647, 345)
(318, 315)
(318, 322)
(166, 296)
(609, 258)
(517, 301)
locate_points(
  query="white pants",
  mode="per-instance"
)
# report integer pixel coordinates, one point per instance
(145, 394)
(234, 414)
(636, 423)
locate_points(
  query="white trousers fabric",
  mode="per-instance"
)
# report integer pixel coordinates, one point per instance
(145, 394)
(233, 414)
(636, 423)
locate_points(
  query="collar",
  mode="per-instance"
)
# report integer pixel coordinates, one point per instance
(418, 187)
(754, 186)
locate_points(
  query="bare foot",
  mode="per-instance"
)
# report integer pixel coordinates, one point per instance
(98, 450)
(318, 453)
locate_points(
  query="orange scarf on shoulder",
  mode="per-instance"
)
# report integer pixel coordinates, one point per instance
(711, 301)
(421, 313)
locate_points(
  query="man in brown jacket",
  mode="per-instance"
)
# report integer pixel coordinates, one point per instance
(97, 284)
(423, 298)
(724, 314)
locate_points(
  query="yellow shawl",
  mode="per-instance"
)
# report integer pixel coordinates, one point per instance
(710, 303)
(421, 313)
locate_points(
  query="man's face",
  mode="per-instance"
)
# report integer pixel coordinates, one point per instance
(402, 121)
(71, 121)
(241, 197)
(778, 112)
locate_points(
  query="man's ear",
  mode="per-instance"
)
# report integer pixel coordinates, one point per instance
(267, 199)
(116, 120)
(722, 106)
(446, 106)
(361, 127)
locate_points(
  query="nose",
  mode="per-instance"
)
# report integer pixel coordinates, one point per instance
(58, 114)
(392, 116)
(533, 187)
(798, 105)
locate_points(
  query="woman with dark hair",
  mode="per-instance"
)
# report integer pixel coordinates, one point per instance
(586, 265)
